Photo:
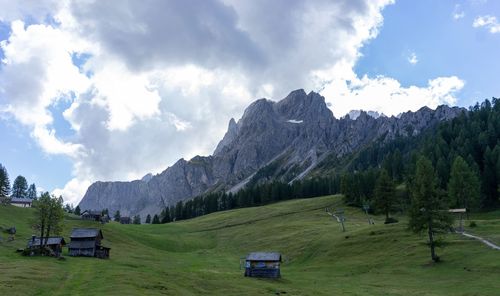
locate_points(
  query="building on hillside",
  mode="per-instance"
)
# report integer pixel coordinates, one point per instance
(263, 264)
(87, 242)
(55, 243)
(95, 216)
(21, 202)
(125, 220)
(91, 215)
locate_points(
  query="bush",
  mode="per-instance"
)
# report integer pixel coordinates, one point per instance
(390, 220)
(472, 224)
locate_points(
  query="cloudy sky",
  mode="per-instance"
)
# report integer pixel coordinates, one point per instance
(112, 90)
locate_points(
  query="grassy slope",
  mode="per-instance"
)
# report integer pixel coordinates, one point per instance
(201, 256)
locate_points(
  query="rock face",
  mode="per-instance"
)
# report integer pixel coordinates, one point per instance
(273, 140)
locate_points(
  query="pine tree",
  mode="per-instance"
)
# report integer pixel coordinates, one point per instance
(77, 211)
(165, 217)
(137, 219)
(117, 216)
(148, 219)
(156, 219)
(4, 185)
(20, 187)
(31, 193)
(463, 187)
(385, 194)
(428, 212)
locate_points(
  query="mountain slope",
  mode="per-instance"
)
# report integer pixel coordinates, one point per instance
(292, 136)
(201, 256)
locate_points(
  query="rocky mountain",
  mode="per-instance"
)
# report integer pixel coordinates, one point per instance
(282, 140)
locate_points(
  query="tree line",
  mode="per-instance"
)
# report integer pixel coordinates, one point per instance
(19, 188)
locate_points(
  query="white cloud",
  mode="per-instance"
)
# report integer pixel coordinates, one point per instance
(458, 13)
(73, 190)
(412, 58)
(162, 80)
(487, 21)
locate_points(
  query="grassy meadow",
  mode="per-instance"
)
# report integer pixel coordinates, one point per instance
(202, 256)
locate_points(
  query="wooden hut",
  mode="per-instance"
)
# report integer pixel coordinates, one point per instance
(263, 264)
(55, 243)
(125, 220)
(21, 202)
(91, 215)
(87, 242)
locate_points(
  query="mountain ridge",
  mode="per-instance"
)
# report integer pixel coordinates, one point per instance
(292, 136)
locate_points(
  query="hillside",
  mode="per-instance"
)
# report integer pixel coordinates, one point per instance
(201, 256)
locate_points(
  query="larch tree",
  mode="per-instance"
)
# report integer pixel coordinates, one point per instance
(148, 219)
(20, 187)
(4, 185)
(428, 211)
(463, 187)
(117, 216)
(385, 194)
(156, 219)
(31, 193)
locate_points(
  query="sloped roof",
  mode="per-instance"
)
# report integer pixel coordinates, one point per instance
(264, 256)
(82, 244)
(53, 240)
(86, 232)
(91, 212)
(20, 200)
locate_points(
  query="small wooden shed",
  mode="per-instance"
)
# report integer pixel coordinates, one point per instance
(263, 264)
(125, 220)
(55, 243)
(91, 215)
(87, 242)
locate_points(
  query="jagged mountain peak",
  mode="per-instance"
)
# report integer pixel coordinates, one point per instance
(286, 139)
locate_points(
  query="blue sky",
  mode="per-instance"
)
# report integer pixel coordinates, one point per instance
(160, 89)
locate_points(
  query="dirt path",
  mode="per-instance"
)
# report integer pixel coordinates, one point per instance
(484, 241)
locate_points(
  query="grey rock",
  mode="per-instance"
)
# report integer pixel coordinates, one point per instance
(291, 136)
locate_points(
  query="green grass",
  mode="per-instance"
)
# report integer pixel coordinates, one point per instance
(201, 256)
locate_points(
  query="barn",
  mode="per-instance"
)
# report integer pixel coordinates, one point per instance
(87, 242)
(55, 243)
(21, 202)
(263, 264)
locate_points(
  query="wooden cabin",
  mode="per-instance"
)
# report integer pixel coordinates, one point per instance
(91, 215)
(21, 202)
(55, 243)
(125, 220)
(263, 264)
(87, 242)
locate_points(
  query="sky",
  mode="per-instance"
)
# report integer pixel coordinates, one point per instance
(112, 90)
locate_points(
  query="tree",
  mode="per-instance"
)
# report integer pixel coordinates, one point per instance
(117, 216)
(148, 219)
(77, 211)
(385, 194)
(428, 212)
(20, 187)
(48, 216)
(463, 187)
(4, 185)
(31, 193)
(156, 219)
(165, 216)
(137, 219)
